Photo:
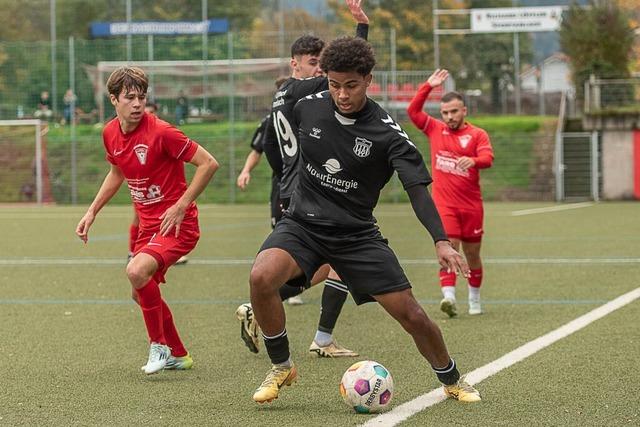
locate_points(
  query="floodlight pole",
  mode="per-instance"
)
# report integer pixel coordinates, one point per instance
(205, 48)
(128, 30)
(516, 66)
(54, 74)
(436, 40)
(72, 124)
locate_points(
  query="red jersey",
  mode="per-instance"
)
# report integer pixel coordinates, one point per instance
(452, 186)
(152, 160)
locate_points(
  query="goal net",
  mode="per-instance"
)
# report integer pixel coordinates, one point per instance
(204, 83)
(24, 172)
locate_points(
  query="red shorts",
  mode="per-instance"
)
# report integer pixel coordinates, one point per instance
(168, 249)
(462, 224)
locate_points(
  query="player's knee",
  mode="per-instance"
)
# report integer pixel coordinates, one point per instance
(136, 275)
(260, 279)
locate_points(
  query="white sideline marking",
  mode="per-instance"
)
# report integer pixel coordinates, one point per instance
(551, 209)
(420, 403)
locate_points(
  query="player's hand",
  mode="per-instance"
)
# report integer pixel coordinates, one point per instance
(465, 163)
(450, 259)
(243, 180)
(172, 218)
(82, 229)
(438, 77)
(355, 7)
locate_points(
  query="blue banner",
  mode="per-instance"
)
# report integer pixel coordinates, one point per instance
(108, 29)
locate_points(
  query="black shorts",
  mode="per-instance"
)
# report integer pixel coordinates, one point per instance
(274, 201)
(363, 259)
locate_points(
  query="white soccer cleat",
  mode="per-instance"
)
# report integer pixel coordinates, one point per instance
(448, 305)
(297, 300)
(475, 307)
(249, 328)
(158, 356)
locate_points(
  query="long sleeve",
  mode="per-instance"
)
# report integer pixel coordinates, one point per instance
(426, 212)
(483, 161)
(414, 110)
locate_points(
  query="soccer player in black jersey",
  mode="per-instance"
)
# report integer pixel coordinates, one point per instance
(281, 147)
(252, 160)
(349, 149)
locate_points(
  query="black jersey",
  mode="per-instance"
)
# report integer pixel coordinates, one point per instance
(345, 161)
(259, 134)
(282, 132)
(281, 140)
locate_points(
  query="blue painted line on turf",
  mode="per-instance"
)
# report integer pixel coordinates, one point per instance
(50, 261)
(307, 301)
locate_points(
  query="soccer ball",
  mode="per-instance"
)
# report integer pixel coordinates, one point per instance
(367, 387)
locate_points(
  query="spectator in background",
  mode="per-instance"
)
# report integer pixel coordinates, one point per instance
(69, 100)
(44, 106)
(182, 108)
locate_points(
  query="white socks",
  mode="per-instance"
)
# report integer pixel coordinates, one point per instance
(323, 339)
(474, 294)
(449, 292)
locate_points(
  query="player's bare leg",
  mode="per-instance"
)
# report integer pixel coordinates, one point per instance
(271, 268)
(403, 307)
(472, 254)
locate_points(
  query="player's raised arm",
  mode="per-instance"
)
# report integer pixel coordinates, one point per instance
(362, 29)
(415, 108)
(355, 7)
(107, 190)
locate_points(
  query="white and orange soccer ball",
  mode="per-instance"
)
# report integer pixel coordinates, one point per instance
(367, 387)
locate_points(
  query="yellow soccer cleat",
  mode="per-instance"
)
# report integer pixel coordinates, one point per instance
(332, 350)
(277, 377)
(181, 363)
(462, 391)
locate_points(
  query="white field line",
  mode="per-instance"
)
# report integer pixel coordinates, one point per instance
(249, 261)
(551, 209)
(420, 403)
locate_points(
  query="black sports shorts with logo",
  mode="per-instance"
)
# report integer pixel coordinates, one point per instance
(364, 260)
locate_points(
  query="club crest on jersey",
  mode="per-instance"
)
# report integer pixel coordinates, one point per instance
(315, 133)
(141, 152)
(362, 147)
(464, 140)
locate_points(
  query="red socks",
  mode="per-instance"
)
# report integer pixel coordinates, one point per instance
(158, 319)
(475, 281)
(151, 304)
(171, 333)
(447, 279)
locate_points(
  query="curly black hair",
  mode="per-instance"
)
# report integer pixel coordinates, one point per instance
(346, 54)
(307, 45)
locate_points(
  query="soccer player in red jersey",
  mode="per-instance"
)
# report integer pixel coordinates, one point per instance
(134, 227)
(150, 154)
(458, 151)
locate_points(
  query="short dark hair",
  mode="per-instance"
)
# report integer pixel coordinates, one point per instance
(127, 78)
(450, 96)
(307, 45)
(280, 80)
(346, 54)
